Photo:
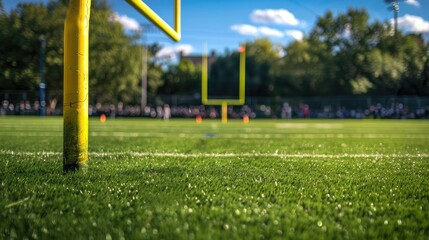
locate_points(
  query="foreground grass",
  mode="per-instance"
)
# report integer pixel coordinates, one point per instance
(179, 180)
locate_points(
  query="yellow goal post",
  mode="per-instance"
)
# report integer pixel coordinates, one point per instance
(224, 102)
(76, 79)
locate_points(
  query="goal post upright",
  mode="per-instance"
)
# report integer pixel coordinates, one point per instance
(224, 109)
(204, 78)
(75, 110)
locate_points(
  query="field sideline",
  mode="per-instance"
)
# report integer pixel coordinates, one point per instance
(269, 179)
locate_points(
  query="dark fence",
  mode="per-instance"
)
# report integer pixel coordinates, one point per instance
(27, 103)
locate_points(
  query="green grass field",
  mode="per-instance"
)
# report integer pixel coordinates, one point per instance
(269, 179)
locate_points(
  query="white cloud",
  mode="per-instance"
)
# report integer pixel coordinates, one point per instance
(413, 23)
(171, 51)
(266, 31)
(249, 30)
(274, 16)
(127, 22)
(296, 34)
(245, 29)
(413, 2)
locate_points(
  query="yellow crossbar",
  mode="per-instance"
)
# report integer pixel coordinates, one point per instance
(144, 9)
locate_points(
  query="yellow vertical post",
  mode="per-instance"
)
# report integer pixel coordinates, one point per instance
(204, 77)
(242, 80)
(75, 138)
(177, 21)
(224, 112)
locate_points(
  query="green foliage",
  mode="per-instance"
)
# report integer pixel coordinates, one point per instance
(115, 62)
(349, 55)
(261, 57)
(386, 70)
(306, 68)
(184, 78)
(150, 179)
(1, 7)
(155, 71)
(19, 43)
(224, 77)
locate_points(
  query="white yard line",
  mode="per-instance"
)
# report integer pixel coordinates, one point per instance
(227, 135)
(222, 155)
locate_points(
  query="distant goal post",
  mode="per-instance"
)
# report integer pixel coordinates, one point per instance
(227, 101)
(242, 82)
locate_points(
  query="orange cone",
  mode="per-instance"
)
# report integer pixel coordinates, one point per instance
(103, 118)
(246, 119)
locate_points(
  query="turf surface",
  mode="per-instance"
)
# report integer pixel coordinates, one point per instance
(150, 179)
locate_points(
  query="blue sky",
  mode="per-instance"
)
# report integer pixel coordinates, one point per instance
(224, 24)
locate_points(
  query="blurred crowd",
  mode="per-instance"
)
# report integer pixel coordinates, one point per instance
(284, 111)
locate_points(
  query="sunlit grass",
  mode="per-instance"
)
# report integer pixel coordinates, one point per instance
(182, 180)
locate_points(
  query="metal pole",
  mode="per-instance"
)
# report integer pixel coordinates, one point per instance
(42, 85)
(395, 11)
(144, 79)
(75, 137)
(144, 28)
(395, 8)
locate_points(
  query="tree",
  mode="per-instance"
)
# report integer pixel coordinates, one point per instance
(261, 56)
(414, 55)
(1, 7)
(295, 76)
(155, 69)
(223, 81)
(347, 55)
(114, 57)
(184, 78)
(20, 46)
(425, 77)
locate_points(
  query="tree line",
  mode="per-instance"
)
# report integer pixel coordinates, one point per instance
(343, 55)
